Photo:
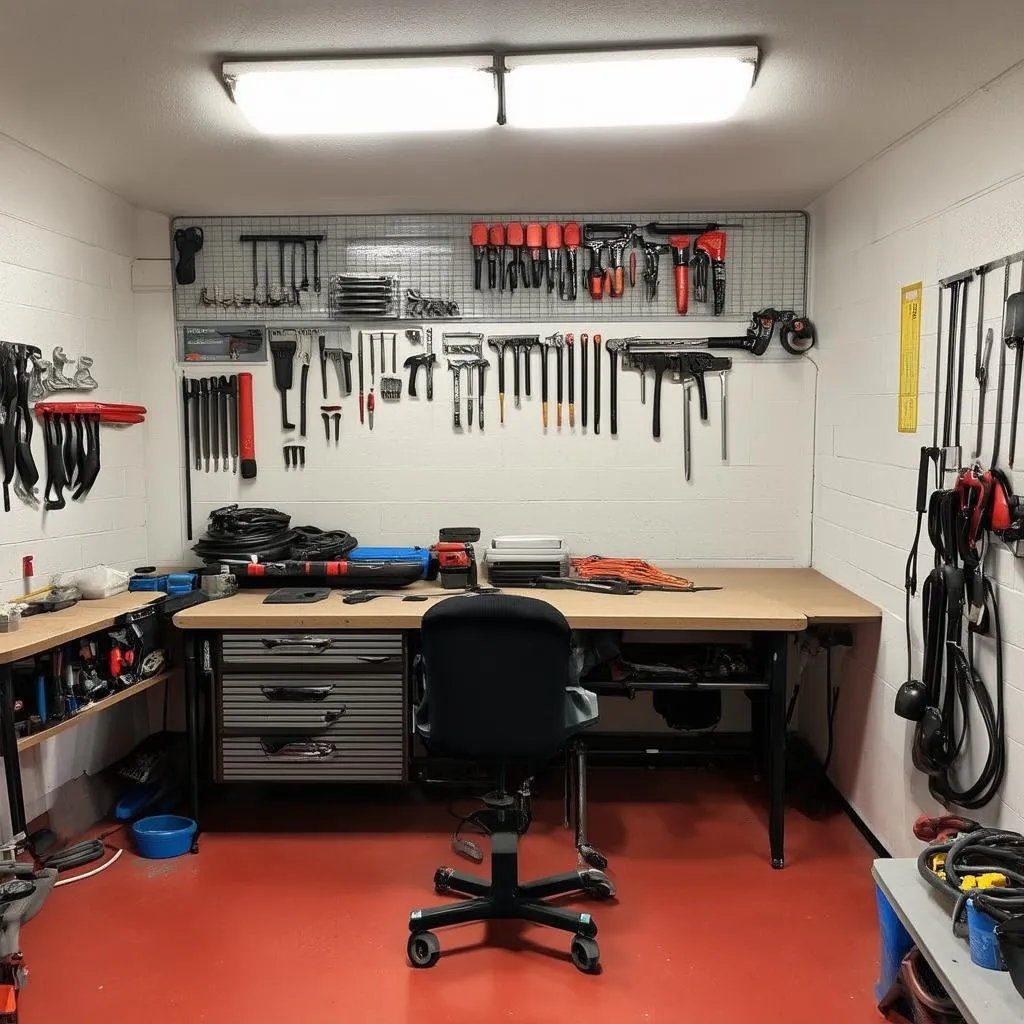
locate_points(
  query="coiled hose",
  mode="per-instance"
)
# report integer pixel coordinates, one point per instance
(264, 535)
(976, 853)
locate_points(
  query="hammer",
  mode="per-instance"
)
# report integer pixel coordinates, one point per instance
(413, 364)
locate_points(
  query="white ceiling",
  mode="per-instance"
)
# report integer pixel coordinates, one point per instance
(124, 92)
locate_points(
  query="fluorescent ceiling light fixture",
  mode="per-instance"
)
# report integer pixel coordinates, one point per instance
(371, 96)
(626, 88)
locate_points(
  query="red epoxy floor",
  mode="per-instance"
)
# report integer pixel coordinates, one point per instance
(310, 927)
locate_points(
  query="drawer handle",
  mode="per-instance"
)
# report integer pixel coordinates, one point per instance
(379, 659)
(308, 643)
(295, 750)
(306, 693)
(330, 717)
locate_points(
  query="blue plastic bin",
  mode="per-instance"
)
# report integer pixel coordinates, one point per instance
(163, 835)
(896, 944)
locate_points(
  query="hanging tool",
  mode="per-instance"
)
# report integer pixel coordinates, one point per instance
(342, 360)
(469, 393)
(535, 246)
(246, 433)
(1013, 337)
(526, 344)
(680, 247)
(188, 242)
(360, 363)
(187, 395)
(556, 342)
(584, 346)
(56, 478)
(632, 268)
(370, 404)
(373, 368)
(568, 287)
(8, 407)
(687, 455)
(326, 417)
(709, 256)
(282, 351)
(222, 396)
(495, 247)
(413, 364)
(499, 346)
(478, 239)
(233, 420)
(515, 239)
(214, 425)
(390, 387)
(595, 273)
(653, 251)
(723, 377)
(553, 244)
(316, 265)
(430, 363)
(612, 347)
(543, 385)
(28, 472)
(456, 369)
(481, 366)
(615, 283)
(572, 379)
(1000, 387)
(982, 356)
(204, 425)
(322, 344)
(305, 355)
(597, 383)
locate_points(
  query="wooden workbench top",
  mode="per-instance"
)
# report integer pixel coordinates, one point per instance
(41, 632)
(751, 599)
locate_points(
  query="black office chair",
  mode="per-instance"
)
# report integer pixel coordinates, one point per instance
(496, 671)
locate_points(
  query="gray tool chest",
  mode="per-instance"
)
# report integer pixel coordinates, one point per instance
(311, 707)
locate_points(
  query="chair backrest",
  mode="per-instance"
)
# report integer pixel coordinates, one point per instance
(496, 668)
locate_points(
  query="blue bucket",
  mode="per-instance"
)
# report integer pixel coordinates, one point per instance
(163, 835)
(981, 934)
(896, 943)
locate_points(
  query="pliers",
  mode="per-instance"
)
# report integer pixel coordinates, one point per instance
(305, 353)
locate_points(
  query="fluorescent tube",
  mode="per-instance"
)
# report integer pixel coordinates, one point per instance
(628, 88)
(365, 97)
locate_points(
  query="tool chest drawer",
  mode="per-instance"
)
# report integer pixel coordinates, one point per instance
(332, 756)
(310, 702)
(312, 652)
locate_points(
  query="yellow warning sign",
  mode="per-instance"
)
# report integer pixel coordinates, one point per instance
(910, 356)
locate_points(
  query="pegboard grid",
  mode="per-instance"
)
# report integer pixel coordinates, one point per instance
(765, 266)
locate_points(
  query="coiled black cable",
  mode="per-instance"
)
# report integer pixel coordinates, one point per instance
(979, 852)
(264, 535)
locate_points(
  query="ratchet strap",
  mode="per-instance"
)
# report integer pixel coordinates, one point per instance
(633, 571)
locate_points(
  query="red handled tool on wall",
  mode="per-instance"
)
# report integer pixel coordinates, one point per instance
(568, 287)
(478, 239)
(495, 248)
(246, 432)
(709, 263)
(680, 248)
(515, 239)
(535, 244)
(553, 244)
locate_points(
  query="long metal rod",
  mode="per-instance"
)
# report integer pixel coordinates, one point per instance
(962, 344)
(938, 372)
(1002, 370)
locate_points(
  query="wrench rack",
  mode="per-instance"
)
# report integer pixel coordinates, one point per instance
(766, 265)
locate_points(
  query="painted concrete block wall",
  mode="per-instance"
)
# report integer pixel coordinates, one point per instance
(948, 198)
(608, 495)
(65, 259)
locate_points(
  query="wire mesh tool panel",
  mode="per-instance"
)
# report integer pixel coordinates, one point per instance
(288, 269)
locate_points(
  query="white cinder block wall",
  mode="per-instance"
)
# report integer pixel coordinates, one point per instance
(65, 262)
(948, 198)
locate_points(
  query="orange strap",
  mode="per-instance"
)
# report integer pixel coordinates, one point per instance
(632, 570)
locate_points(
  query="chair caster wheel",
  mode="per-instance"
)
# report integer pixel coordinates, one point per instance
(593, 857)
(423, 949)
(441, 877)
(778, 863)
(586, 956)
(597, 884)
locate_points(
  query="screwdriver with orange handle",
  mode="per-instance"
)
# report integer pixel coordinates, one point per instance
(680, 246)
(495, 248)
(535, 243)
(553, 243)
(478, 239)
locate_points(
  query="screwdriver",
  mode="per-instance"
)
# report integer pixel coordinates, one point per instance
(478, 239)
(553, 242)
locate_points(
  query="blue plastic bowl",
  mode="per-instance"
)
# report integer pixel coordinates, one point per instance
(163, 835)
